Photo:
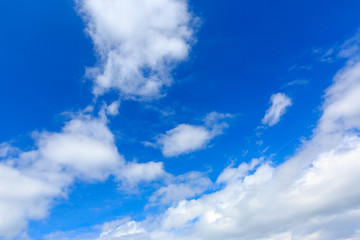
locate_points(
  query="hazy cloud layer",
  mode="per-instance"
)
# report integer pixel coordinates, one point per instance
(182, 187)
(138, 43)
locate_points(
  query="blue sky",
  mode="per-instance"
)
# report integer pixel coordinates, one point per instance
(174, 119)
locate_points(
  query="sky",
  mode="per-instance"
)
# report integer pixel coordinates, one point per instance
(179, 120)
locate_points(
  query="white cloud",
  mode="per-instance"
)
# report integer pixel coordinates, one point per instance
(279, 103)
(313, 195)
(22, 197)
(186, 138)
(138, 43)
(123, 231)
(342, 106)
(83, 150)
(113, 108)
(182, 187)
(6, 149)
(85, 147)
(133, 173)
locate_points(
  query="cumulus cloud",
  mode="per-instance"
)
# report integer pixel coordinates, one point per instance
(313, 195)
(138, 43)
(85, 147)
(279, 103)
(137, 49)
(186, 138)
(83, 150)
(134, 173)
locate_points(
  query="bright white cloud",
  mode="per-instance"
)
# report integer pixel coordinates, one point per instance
(138, 43)
(186, 138)
(22, 196)
(342, 106)
(313, 195)
(83, 150)
(279, 103)
(85, 147)
(138, 48)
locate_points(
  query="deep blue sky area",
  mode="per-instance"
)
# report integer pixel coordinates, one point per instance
(44, 52)
(245, 52)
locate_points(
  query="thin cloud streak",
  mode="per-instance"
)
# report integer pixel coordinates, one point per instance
(279, 103)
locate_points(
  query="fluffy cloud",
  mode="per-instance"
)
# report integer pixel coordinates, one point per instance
(134, 173)
(186, 138)
(83, 150)
(85, 147)
(279, 103)
(313, 195)
(22, 196)
(138, 43)
(138, 47)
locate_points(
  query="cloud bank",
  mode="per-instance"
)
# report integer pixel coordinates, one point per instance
(279, 103)
(83, 150)
(138, 43)
(182, 187)
(313, 195)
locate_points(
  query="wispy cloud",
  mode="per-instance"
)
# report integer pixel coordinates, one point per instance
(182, 187)
(279, 103)
(345, 50)
(297, 82)
(138, 43)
